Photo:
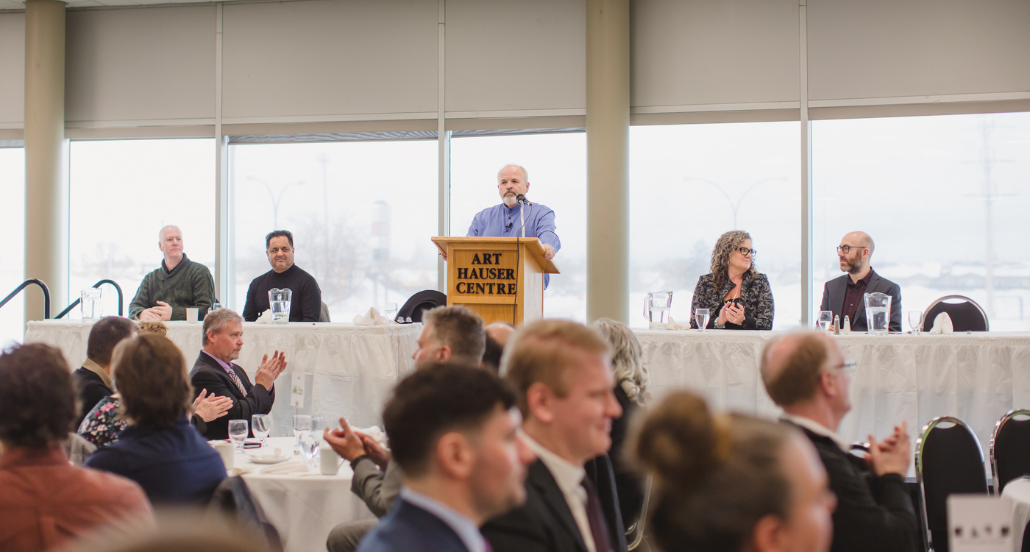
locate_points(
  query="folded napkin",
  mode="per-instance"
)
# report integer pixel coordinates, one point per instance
(673, 325)
(289, 468)
(265, 318)
(239, 470)
(371, 318)
(377, 434)
(942, 325)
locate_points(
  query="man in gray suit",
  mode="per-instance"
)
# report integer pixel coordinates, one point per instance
(844, 295)
(449, 335)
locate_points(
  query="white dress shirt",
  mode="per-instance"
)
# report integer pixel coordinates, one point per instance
(570, 480)
(818, 429)
(466, 530)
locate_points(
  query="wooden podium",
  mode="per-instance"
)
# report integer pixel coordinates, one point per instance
(502, 279)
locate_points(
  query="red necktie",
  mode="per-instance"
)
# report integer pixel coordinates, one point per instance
(598, 528)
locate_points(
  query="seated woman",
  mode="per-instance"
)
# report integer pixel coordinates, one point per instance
(158, 449)
(731, 483)
(736, 295)
(631, 382)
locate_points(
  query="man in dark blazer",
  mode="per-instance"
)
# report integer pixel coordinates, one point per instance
(844, 296)
(562, 372)
(808, 377)
(452, 431)
(215, 371)
(93, 379)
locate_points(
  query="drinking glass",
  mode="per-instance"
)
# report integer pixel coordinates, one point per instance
(825, 319)
(238, 433)
(391, 310)
(261, 425)
(309, 449)
(89, 303)
(279, 301)
(301, 427)
(701, 317)
(915, 320)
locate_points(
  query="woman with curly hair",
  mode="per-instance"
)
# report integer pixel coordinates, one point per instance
(737, 296)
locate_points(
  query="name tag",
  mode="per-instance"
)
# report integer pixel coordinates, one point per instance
(297, 389)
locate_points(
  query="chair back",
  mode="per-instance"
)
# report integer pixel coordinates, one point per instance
(949, 461)
(966, 314)
(1010, 448)
(323, 313)
(421, 301)
(232, 498)
(635, 532)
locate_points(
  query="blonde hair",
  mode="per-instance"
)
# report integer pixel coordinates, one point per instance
(545, 351)
(724, 247)
(627, 358)
(153, 327)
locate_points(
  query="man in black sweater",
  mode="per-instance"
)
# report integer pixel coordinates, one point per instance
(806, 375)
(306, 302)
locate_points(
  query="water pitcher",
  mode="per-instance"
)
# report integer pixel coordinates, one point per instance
(877, 312)
(89, 302)
(656, 309)
(279, 302)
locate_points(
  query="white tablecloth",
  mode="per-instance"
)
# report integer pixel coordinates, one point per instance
(1018, 491)
(976, 377)
(349, 370)
(303, 508)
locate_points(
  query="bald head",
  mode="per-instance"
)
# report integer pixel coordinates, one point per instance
(792, 366)
(860, 239)
(500, 332)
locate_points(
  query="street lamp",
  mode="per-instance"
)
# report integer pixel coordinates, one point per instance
(275, 199)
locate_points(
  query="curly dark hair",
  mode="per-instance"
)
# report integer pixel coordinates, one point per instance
(150, 373)
(724, 247)
(37, 398)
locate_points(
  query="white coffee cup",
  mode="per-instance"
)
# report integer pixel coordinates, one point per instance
(227, 451)
(329, 461)
(192, 314)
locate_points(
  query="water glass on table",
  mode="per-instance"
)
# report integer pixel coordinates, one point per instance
(261, 425)
(825, 320)
(308, 444)
(915, 321)
(238, 433)
(701, 316)
(301, 427)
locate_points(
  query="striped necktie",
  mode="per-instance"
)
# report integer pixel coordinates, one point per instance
(236, 380)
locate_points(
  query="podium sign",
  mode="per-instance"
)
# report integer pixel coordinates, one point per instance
(501, 279)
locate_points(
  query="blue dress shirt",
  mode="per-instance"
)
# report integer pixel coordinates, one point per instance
(501, 221)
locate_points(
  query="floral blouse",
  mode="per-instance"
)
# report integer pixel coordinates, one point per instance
(755, 297)
(102, 425)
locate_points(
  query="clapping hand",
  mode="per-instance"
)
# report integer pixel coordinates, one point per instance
(893, 454)
(375, 452)
(270, 369)
(211, 407)
(345, 441)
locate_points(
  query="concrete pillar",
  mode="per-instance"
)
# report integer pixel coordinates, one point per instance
(46, 184)
(608, 159)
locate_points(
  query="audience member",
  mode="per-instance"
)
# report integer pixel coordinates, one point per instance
(631, 382)
(93, 380)
(562, 372)
(159, 449)
(45, 500)
(497, 336)
(844, 296)
(176, 531)
(737, 296)
(452, 429)
(806, 375)
(165, 293)
(215, 372)
(450, 334)
(731, 483)
(306, 301)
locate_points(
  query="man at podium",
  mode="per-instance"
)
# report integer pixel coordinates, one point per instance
(506, 220)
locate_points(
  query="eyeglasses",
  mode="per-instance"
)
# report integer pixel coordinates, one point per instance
(845, 249)
(745, 252)
(848, 367)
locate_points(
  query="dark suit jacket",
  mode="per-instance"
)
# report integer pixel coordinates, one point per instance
(873, 513)
(408, 528)
(545, 523)
(833, 300)
(628, 482)
(91, 389)
(208, 374)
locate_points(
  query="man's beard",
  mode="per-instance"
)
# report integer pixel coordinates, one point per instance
(509, 199)
(851, 267)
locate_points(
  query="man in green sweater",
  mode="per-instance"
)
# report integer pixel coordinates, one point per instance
(166, 292)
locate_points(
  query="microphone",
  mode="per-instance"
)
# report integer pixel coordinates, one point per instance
(522, 199)
(509, 225)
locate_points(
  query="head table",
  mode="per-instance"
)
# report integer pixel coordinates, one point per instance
(348, 370)
(977, 377)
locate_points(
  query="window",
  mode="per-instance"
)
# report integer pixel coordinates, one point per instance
(12, 256)
(945, 200)
(361, 213)
(557, 175)
(691, 183)
(122, 193)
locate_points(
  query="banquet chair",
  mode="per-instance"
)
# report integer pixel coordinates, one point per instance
(966, 314)
(232, 498)
(421, 301)
(1010, 448)
(323, 313)
(635, 532)
(948, 461)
